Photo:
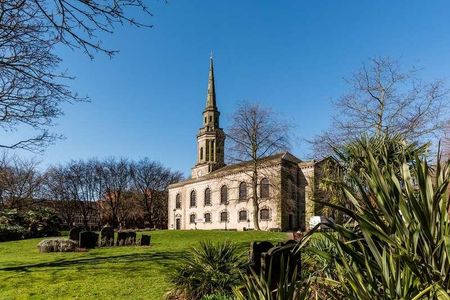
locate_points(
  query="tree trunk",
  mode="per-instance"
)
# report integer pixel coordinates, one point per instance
(255, 199)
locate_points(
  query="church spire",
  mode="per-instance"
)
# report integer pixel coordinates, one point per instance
(211, 138)
(211, 96)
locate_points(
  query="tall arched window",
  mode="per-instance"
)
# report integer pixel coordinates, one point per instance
(264, 188)
(193, 199)
(207, 196)
(178, 201)
(224, 194)
(243, 191)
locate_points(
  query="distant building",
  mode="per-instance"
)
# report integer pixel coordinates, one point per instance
(218, 196)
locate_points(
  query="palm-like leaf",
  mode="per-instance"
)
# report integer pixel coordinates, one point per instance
(396, 242)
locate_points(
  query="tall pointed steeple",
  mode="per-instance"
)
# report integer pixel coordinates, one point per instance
(211, 138)
(211, 96)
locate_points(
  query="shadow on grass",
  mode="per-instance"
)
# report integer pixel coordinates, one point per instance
(164, 259)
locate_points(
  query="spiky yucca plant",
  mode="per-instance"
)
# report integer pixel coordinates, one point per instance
(210, 268)
(396, 244)
(349, 162)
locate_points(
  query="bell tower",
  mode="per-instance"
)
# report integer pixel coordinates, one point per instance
(211, 138)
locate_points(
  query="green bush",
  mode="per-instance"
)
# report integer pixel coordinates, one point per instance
(209, 269)
(11, 232)
(40, 222)
(218, 296)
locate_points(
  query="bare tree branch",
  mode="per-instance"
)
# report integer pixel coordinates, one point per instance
(383, 98)
(256, 133)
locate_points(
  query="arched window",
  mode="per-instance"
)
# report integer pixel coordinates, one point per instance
(192, 218)
(224, 216)
(224, 194)
(243, 191)
(207, 196)
(178, 201)
(207, 217)
(243, 216)
(193, 199)
(264, 188)
(264, 214)
(201, 153)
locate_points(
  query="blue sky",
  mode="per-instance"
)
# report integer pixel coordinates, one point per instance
(289, 55)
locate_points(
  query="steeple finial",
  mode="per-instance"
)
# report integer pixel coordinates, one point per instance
(211, 96)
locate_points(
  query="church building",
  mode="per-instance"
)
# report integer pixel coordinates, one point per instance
(218, 196)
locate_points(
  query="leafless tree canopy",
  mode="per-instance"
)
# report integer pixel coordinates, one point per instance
(255, 133)
(384, 98)
(20, 182)
(150, 180)
(446, 141)
(31, 88)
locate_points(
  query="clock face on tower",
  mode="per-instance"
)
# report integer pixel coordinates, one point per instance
(200, 173)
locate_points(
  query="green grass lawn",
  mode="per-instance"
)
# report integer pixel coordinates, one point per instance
(104, 273)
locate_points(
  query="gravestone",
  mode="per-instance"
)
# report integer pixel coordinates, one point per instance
(145, 240)
(74, 233)
(126, 238)
(279, 259)
(121, 238)
(107, 236)
(88, 239)
(256, 250)
(288, 242)
(131, 238)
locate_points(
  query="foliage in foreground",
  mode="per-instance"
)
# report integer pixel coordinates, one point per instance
(209, 268)
(257, 287)
(396, 244)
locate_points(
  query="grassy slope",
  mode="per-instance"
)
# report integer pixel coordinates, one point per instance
(106, 273)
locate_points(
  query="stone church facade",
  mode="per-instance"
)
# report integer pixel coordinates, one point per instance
(218, 196)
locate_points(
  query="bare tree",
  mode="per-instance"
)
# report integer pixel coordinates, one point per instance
(31, 89)
(58, 194)
(256, 132)
(83, 187)
(446, 141)
(151, 179)
(384, 98)
(20, 182)
(114, 176)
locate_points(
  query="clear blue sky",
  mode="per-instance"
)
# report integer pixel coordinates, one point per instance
(290, 55)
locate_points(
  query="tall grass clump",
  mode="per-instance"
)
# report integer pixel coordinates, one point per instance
(209, 270)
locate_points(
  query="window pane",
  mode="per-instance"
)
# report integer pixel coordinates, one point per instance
(224, 195)
(264, 188)
(243, 215)
(192, 218)
(264, 214)
(178, 201)
(223, 216)
(207, 196)
(243, 191)
(207, 218)
(193, 201)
